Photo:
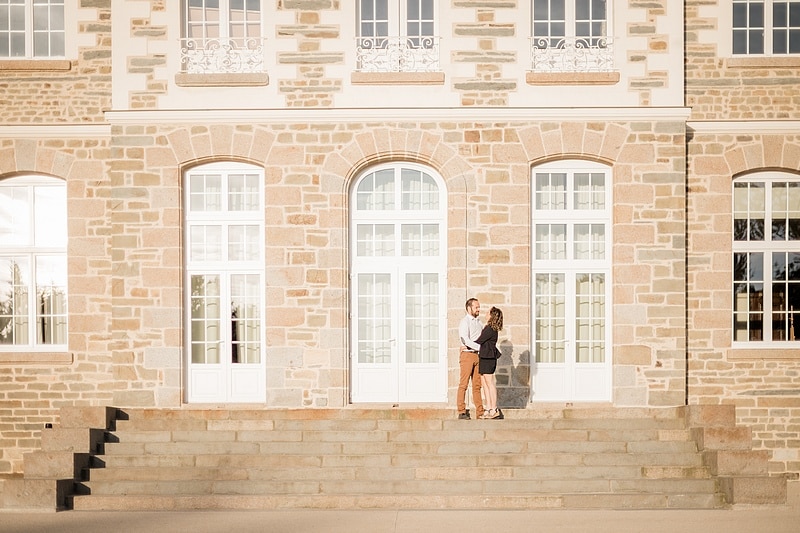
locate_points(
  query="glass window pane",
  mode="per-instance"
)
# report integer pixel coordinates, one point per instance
(376, 191)
(51, 299)
(419, 191)
(205, 319)
(50, 213)
(756, 38)
(15, 216)
(15, 286)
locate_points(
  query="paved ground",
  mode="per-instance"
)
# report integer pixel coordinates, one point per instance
(753, 520)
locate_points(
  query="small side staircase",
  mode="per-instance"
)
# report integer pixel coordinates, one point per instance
(540, 458)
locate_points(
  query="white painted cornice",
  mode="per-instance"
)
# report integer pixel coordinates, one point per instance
(339, 115)
(745, 126)
(71, 131)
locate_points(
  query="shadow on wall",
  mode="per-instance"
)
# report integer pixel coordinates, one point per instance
(513, 381)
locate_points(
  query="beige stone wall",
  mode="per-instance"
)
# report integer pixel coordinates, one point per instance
(74, 90)
(720, 86)
(308, 169)
(764, 385)
(34, 385)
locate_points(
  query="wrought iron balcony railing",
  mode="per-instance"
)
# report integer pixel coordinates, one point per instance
(572, 54)
(397, 54)
(222, 55)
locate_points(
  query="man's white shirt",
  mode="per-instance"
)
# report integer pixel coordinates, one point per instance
(469, 329)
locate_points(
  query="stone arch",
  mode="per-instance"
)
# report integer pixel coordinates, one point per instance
(184, 148)
(381, 145)
(765, 152)
(29, 155)
(595, 141)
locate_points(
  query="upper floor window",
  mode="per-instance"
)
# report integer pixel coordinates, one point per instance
(766, 27)
(571, 36)
(766, 258)
(33, 263)
(222, 36)
(397, 36)
(31, 28)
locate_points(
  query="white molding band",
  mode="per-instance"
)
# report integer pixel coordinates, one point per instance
(745, 126)
(340, 115)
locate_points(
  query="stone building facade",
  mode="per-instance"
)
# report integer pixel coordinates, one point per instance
(663, 115)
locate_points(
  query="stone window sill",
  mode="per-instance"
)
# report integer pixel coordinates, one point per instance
(243, 79)
(572, 78)
(35, 64)
(36, 358)
(764, 353)
(764, 62)
(397, 78)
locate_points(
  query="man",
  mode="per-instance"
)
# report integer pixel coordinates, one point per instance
(469, 329)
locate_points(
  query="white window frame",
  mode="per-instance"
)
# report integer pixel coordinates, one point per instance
(228, 52)
(768, 28)
(395, 49)
(571, 52)
(766, 248)
(31, 10)
(573, 380)
(220, 380)
(570, 29)
(394, 378)
(50, 222)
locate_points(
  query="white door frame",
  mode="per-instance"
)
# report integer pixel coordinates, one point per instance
(225, 328)
(559, 376)
(378, 238)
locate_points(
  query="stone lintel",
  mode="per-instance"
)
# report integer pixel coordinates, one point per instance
(763, 62)
(572, 78)
(397, 78)
(35, 64)
(243, 79)
(36, 358)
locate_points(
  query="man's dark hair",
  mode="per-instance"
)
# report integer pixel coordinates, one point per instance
(469, 303)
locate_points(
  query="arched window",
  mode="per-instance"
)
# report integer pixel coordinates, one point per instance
(398, 281)
(33, 263)
(766, 259)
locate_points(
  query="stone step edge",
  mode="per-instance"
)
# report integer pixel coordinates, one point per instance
(391, 501)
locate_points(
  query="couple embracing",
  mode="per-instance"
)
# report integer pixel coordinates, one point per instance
(478, 360)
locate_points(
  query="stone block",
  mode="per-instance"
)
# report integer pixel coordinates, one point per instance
(54, 465)
(99, 417)
(35, 494)
(760, 490)
(710, 415)
(723, 438)
(737, 462)
(78, 440)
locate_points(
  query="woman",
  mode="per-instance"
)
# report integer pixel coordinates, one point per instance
(488, 361)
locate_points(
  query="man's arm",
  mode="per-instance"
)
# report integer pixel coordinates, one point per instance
(463, 332)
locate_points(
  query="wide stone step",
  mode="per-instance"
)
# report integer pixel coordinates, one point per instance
(395, 484)
(399, 434)
(466, 472)
(399, 501)
(379, 424)
(664, 460)
(434, 444)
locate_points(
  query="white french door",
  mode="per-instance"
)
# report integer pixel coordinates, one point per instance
(225, 284)
(571, 290)
(398, 318)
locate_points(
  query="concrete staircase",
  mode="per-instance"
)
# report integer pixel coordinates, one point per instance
(611, 458)
(547, 458)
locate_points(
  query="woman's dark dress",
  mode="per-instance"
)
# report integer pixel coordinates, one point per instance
(488, 353)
